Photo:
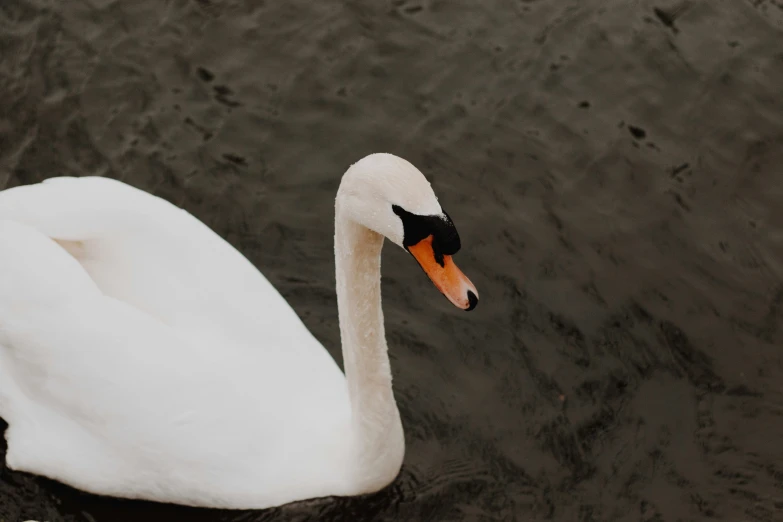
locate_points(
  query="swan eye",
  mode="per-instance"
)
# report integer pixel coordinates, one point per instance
(432, 240)
(445, 239)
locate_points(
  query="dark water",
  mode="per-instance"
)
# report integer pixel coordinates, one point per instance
(615, 169)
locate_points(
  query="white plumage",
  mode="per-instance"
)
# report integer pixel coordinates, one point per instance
(142, 356)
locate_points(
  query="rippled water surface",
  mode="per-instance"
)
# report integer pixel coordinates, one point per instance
(614, 168)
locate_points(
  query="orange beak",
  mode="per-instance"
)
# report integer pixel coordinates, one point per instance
(445, 275)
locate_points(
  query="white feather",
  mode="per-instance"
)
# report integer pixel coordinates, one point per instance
(142, 356)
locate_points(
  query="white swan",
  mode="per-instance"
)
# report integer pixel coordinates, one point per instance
(141, 356)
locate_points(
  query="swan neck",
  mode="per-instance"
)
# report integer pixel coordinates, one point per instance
(376, 425)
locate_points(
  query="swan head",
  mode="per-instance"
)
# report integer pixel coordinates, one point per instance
(391, 197)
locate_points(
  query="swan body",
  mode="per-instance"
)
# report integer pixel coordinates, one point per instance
(141, 356)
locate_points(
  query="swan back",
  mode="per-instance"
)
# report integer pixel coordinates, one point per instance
(144, 251)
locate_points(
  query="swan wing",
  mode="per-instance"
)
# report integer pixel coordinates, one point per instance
(110, 399)
(146, 252)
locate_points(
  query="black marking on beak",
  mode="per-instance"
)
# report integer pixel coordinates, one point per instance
(445, 239)
(472, 301)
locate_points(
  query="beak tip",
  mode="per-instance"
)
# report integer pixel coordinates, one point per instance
(472, 301)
